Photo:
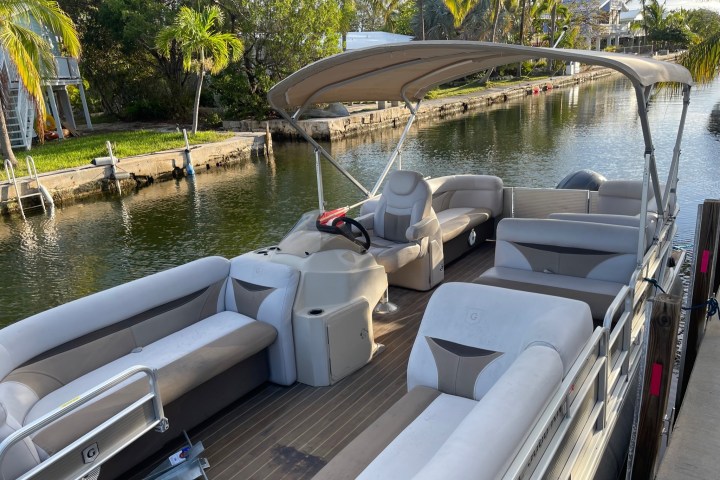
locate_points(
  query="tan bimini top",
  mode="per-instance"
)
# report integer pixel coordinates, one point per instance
(411, 69)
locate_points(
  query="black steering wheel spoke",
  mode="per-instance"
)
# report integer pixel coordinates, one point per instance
(346, 231)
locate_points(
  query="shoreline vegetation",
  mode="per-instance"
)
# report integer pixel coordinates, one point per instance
(80, 151)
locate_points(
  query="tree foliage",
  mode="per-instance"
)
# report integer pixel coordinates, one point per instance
(279, 37)
(202, 46)
(30, 53)
(124, 69)
(666, 29)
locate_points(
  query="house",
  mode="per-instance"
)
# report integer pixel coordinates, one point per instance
(356, 40)
(21, 114)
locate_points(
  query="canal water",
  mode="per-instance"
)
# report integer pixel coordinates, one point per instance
(534, 142)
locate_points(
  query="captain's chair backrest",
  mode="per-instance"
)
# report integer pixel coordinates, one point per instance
(623, 197)
(470, 334)
(406, 199)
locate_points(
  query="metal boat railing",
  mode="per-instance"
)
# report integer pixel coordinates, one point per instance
(90, 451)
(575, 427)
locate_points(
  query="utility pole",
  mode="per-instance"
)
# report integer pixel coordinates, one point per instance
(422, 19)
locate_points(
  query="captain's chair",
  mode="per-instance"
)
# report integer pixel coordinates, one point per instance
(404, 232)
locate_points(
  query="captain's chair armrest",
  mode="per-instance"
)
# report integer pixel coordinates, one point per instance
(424, 228)
(367, 220)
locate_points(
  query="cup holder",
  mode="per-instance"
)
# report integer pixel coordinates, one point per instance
(316, 311)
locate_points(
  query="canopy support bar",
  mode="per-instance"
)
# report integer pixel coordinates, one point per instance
(322, 151)
(398, 147)
(671, 185)
(318, 173)
(642, 100)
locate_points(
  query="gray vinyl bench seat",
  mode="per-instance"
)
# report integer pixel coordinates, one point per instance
(465, 203)
(207, 320)
(184, 360)
(619, 202)
(466, 414)
(585, 261)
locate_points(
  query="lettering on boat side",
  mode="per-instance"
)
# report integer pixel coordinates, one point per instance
(541, 445)
(90, 453)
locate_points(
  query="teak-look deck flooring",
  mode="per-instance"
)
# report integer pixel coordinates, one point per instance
(290, 432)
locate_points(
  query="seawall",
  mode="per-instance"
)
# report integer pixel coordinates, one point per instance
(364, 121)
(69, 185)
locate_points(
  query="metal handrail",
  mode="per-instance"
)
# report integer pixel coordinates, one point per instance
(557, 403)
(63, 410)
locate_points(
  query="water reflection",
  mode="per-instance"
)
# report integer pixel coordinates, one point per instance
(714, 122)
(52, 259)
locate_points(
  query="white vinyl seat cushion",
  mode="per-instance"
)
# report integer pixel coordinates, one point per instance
(408, 452)
(454, 221)
(598, 294)
(489, 437)
(393, 256)
(184, 360)
(612, 219)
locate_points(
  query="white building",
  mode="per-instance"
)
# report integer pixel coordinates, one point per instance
(357, 40)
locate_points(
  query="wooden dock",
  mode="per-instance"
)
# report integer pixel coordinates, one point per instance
(694, 450)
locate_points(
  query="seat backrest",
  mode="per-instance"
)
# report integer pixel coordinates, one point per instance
(623, 197)
(470, 334)
(266, 292)
(469, 191)
(106, 325)
(406, 199)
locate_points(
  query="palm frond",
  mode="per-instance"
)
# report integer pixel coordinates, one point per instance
(32, 57)
(703, 59)
(196, 35)
(459, 10)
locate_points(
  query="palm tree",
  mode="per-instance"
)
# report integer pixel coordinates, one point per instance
(195, 35)
(30, 53)
(703, 59)
(459, 10)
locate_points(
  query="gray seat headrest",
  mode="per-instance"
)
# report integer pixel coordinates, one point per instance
(402, 182)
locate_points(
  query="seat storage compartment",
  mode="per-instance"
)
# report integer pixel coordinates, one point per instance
(331, 343)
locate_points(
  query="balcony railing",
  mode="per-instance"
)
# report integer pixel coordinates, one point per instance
(66, 68)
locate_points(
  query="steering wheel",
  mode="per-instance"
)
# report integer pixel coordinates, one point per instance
(347, 231)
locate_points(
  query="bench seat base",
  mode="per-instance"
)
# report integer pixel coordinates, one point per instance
(598, 294)
(460, 245)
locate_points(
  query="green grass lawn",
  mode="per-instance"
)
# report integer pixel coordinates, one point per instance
(474, 87)
(79, 151)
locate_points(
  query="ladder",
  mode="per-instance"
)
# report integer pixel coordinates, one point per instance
(32, 174)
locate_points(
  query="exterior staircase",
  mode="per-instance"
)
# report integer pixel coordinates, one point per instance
(21, 115)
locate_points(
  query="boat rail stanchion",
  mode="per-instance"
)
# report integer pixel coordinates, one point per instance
(318, 173)
(385, 306)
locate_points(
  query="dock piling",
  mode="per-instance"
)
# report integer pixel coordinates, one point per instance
(664, 323)
(704, 263)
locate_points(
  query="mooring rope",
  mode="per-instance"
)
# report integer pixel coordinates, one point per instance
(711, 303)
